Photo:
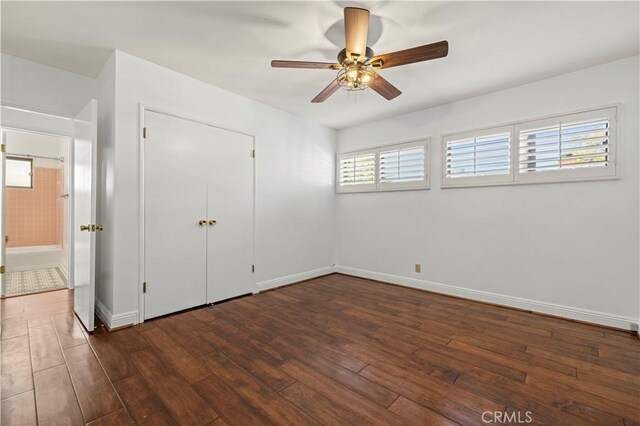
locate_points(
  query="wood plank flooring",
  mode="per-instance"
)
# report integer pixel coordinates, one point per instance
(333, 350)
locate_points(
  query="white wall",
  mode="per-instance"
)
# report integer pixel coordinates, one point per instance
(294, 175)
(25, 143)
(42, 88)
(568, 244)
(106, 95)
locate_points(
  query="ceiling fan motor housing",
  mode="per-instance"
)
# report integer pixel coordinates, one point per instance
(342, 56)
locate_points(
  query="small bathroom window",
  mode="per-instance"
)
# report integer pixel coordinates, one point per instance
(19, 172)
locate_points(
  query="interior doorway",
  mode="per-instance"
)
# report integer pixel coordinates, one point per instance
(36, 212)
(75, 202)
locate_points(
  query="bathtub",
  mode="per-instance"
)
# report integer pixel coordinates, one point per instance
(21, 258)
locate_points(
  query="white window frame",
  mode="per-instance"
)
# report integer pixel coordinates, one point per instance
(517, 178)
(387, 186)
(479, 180)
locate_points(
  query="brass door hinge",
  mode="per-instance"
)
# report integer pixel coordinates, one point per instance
(4, 148)
(2, 269)
(253, 153)
(253, 268)
(144, 287)
(144, 132)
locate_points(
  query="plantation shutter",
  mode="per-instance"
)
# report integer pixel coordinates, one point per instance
(357, 171)
(567, 147)
(570, 145)
(403, 166)
(478, 156)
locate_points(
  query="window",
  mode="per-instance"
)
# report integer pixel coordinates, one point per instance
(357, 171)
(477, 157)
(575, 146)
(388, 168)
(402, 166)
(568, 147)
(19, 172)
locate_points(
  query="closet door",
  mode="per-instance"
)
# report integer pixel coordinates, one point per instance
(230, 205)
(175, 198)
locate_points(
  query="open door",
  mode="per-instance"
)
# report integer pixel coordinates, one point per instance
(83, 221)
(3, 242)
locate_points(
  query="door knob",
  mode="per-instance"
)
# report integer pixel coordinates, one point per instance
(202, 222)
(84, 228)
(212, 222)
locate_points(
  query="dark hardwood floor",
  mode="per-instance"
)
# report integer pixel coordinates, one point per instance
(334, 350)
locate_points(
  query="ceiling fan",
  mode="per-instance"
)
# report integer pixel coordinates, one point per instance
(357, 66)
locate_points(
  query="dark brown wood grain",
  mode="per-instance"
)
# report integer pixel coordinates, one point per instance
(304, 64)
(70, 332)
(45, 347)
(230, 405)
(189, 367)
(144, 406)
(16, 366)
(113, 355)
(56, 402)
(411, 411)
(326, 92)
(94, 391)
(413, 55)
(117, 418)
(19, 410)
(384, 88)
(333, 350)
(185, 405)
(270, 403)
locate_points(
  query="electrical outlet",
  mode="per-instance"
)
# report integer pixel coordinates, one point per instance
(418, 268)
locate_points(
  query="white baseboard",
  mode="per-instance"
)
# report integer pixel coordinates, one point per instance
(601, 318)
(290, 279)
(115, 321)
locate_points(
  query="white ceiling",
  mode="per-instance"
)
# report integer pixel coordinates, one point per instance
(492, 45)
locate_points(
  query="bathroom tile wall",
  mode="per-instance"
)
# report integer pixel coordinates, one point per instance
(35, 216)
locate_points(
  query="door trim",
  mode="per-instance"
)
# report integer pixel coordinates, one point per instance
(141, 223)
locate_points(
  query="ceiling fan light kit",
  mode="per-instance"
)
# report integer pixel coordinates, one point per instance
(357, 66)
(356, 72)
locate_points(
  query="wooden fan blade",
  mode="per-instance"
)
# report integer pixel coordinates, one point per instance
(305, 64)
(416, 54)
(326, 92)
(384, 88)
(356, 27)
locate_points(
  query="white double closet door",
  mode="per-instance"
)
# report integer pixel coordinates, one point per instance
(198, 214)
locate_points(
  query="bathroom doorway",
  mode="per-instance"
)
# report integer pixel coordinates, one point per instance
(36, 212)
(71, 254)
